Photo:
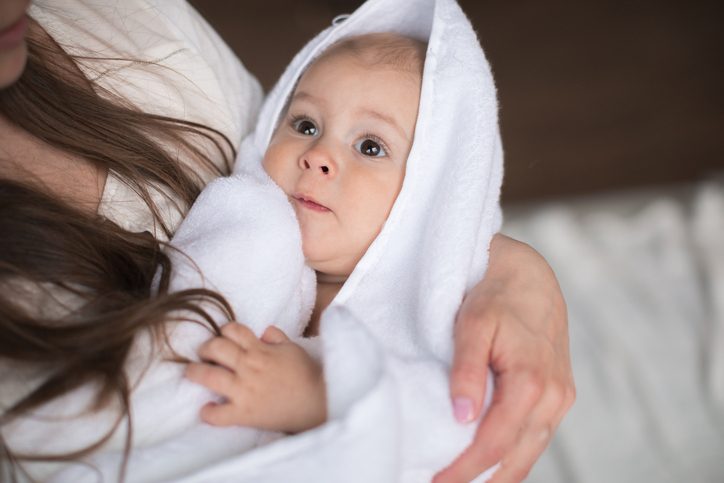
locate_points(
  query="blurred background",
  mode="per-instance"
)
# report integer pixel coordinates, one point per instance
(594, 96)
(612, 116)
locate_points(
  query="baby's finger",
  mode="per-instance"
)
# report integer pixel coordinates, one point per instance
(219, 414)
(274, 335)
(239, 333)
(216, 378)
(223, 352)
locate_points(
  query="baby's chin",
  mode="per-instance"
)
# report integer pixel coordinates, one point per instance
(328, 270)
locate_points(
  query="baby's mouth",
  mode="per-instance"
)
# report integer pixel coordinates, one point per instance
(309, 203)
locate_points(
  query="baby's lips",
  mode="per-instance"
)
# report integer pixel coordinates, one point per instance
(310, 203)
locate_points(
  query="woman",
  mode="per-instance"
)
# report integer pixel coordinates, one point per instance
(113, 117)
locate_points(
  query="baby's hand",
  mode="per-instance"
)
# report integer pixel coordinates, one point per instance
(269, 383)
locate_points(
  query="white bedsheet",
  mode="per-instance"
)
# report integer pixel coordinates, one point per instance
(643, 276)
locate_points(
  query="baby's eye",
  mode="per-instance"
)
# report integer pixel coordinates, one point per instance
(305, 126)
(371, 148)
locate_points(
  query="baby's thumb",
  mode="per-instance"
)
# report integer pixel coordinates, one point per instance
(274, 335)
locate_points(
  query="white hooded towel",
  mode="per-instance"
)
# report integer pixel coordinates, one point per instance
(386, 339)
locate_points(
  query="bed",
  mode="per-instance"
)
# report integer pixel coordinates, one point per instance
(643, 276)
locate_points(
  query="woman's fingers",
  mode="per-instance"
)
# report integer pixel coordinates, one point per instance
(515, 395)
(528, 405)
(534, 437)
(516, 465)
(469, 373)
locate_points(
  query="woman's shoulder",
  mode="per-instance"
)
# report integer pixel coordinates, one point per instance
(165, 59)
(161, 55)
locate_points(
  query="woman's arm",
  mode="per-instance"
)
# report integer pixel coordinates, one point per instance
(515, 321)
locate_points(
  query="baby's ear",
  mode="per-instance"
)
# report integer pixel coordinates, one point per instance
(274, 335)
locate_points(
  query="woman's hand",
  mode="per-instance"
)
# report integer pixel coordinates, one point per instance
(515, 321)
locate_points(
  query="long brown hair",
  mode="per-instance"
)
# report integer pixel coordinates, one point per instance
(56, 247)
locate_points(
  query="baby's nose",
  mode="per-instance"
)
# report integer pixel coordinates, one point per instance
(318, 160)
(322, 167)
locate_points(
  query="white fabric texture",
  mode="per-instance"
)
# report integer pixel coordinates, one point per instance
(643, 277)
(172, 63)
(408, 286)
(387, 337)
(434, 244)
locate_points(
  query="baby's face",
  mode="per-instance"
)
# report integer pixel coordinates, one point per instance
(339, 153)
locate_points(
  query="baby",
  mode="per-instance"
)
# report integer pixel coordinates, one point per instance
(372, 241)
(339, 153)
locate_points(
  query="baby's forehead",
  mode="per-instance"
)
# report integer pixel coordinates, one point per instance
(378, 50)
(359, 65)
(383, 50)
(343, 80)
(331, 68)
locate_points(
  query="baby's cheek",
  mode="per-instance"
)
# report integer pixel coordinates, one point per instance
(268, 164)
(273, 167)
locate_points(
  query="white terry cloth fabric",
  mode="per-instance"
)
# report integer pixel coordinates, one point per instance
(386, 339)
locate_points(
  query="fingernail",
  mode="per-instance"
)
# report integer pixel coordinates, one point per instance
(463, 409)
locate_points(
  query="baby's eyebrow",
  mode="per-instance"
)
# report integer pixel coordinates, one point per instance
(386, 119)
(302, 96)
